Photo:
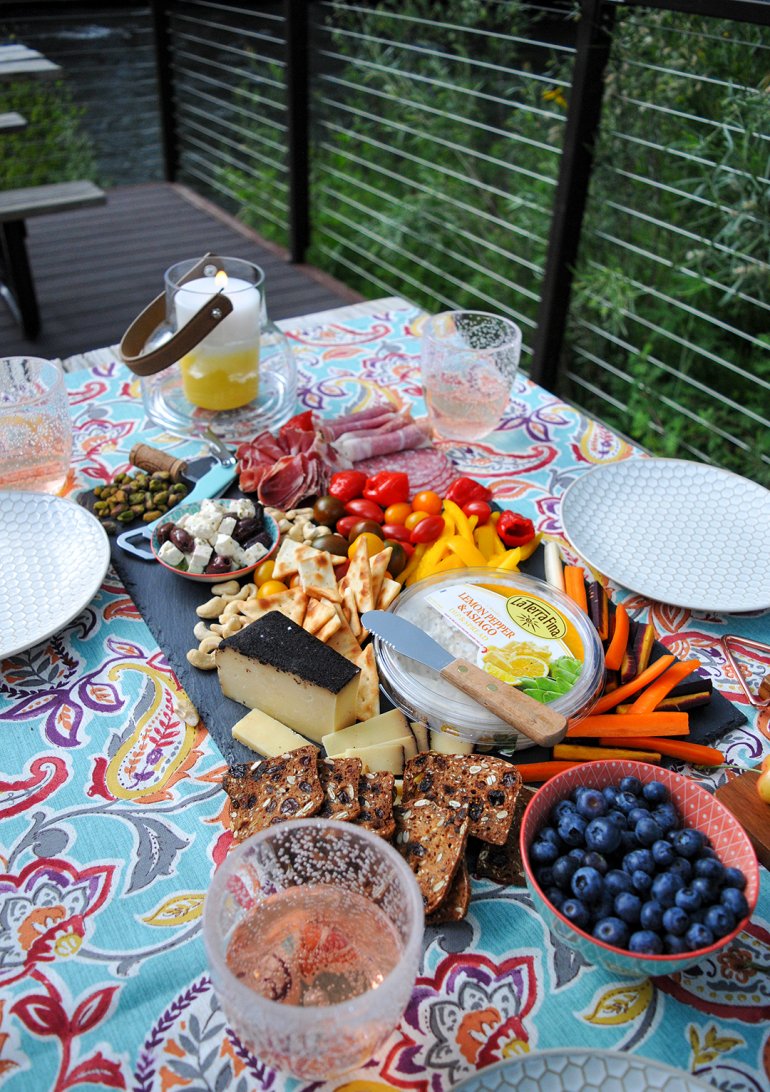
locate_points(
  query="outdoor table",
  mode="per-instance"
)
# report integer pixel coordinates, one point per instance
(113, 815)
(18, 61)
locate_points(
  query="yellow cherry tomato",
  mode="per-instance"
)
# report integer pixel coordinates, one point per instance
(411, 521)
(272, 587)
(263, 573)
(763, 786)
(427, 501)
(295, 581)
(397, 513)
(373, 544)
(765, 764)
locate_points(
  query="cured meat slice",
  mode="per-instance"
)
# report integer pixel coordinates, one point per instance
(363, 446)
(427, 468)
(350, 422)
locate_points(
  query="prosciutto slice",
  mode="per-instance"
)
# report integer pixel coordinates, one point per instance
(357, 446)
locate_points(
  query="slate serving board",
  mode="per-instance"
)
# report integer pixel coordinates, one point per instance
(168, 602)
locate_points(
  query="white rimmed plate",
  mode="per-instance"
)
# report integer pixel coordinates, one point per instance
(55, 555)
(679, 532)
(562, 1070)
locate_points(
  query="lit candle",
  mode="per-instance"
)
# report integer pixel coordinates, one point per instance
(222, 371)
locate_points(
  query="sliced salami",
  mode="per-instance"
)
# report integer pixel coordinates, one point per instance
(426, 467)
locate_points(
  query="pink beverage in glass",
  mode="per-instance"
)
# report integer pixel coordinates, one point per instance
(468, 361)
(313, 932)
(35, 426)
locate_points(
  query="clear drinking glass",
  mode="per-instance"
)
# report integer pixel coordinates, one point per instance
(313, 910)
(35, 425)
(468, 361)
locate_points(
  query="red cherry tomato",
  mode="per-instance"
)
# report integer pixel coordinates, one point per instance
(427, 501)
(365, 509)
(396, 531)
(427, 530)
(346, 524)
(408, 548)
(346, 484)
(480, 509)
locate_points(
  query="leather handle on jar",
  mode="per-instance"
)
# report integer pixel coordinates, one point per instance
(206, 319)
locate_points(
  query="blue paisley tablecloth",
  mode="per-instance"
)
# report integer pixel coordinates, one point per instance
(113, 818)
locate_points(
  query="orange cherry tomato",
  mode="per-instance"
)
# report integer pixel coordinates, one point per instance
(427, 501)
(397, 513)
(765, 764)
(763, 786)
(272, 587)
(373, 544)
(263, 573)
(416, 517)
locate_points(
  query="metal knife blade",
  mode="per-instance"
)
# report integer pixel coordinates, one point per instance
(540, 723)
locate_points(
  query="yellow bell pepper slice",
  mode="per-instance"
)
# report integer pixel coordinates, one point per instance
(509, 562)
(450, 527)
(529, 548)
(460, 520)
(487, 540)
(448, 563)
(412, 564)
(467, 551)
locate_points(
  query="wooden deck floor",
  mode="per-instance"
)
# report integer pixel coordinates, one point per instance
(95, 269)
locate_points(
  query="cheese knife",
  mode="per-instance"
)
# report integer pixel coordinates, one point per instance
(536, 721)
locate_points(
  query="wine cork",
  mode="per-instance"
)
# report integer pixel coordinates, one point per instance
(151, 459)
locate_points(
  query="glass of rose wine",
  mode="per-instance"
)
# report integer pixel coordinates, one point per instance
(35, 425)
(313, 932)
(468, 361)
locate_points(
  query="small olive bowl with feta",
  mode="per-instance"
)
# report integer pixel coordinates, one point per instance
(211, 540)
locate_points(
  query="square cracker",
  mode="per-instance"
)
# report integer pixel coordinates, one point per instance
(375, 795)
(503, 864)
(318, 613)
(455, 903)
(485, 786)
(340, 777)
(388, 592)
(432, 840)
(359, 578)
(349, 608)
(368, 694)
(378, 567)
(272, 791)
(293, 603)
(291, 552)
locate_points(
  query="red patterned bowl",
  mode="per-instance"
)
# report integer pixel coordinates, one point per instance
(697, 807)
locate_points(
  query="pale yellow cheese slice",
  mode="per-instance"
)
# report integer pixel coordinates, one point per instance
(266, 735)
(382, 756)
(383, 728)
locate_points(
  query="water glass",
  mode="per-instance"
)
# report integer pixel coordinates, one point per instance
(326, 920)
(35, 425)
(468, 361)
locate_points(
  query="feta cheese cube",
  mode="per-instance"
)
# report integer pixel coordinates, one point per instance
(241, 508)
(227, 526)
(170, 554)
(252, 554)
(200, 526)
(226, 546)
(200, 557)
(212, 509)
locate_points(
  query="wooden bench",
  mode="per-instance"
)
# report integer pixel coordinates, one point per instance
(17, 206)
(12, 122)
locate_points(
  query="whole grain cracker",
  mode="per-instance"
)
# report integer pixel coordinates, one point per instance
(503, 864)
(339, 778)
(375, 795)
(431, 839)
(272, 791)
(455, 903)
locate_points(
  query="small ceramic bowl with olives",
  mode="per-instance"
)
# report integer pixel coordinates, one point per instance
(214, 540)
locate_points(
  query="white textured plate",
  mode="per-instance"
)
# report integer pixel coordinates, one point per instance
(54, 557)
(680, 532)
(585, 1070)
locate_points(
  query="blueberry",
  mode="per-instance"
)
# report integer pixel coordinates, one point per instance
(543, 853)
(576, 911)
(602, 835)
(625, 801)
(647, 831)
(564, 807)
(706, 888)
(734, 900)
(631, 784)
(674, 945)
(616, 881)
(655, 792)
(676, 921)
(591, 804)
(644, 940)
(636, 814)
(618, 818)
(555, 896)
(544, 876)
(563, 869)
(720, 920)
(651, 915)
(642, 881)
(577, 854)
(666, 817)
(571, 829)
(710, 868)
(733, 877)
(587, 884)
(665, 886)
(688, 842)
(604, 908)
(689, 899)
(628, 841)
(628, 907)
(698, 936)
(681, 866)
(662, 853)
(639, 858)
(612, 931)
(597, 861)
(609, 792)
(709, 851)
(548, 834)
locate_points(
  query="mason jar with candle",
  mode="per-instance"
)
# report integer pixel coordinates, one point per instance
(222, 371)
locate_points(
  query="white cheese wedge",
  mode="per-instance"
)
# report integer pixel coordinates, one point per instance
(447, 744)
(382, 756)
(420, 733)
(275, 666)
(380, 729)
(266, 735)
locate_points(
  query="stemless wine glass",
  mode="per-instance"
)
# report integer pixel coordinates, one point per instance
(325, 920)
(35, 425)
(468, 361)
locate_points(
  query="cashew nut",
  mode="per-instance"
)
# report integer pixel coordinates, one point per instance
(228, 587)
(232, 626)
(201, 630)
(208, 644)
(211, 609)
(203, 660)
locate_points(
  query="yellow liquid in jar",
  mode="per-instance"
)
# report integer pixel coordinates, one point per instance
(221, 379)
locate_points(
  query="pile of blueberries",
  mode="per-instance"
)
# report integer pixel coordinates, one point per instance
(618, 864)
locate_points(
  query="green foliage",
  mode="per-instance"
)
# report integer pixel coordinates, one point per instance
(53, 147)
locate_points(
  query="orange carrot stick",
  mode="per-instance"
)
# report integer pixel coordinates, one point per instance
(544, 771)
(630, 724)
(650, 698)
(609, 701)
(613, 657)
(574, 751)
(575, 586)
(674, 748)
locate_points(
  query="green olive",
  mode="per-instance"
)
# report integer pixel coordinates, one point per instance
(327, 510)
(333, 544)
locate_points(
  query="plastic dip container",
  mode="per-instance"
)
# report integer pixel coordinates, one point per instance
(515, 627)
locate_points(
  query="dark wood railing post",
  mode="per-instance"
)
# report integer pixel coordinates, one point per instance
(594, 39)
(161, 35)
(298, 106)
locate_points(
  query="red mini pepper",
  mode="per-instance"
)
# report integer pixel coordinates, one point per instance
(515, 530)
(387, 487)
(347, 484)
(464, 490)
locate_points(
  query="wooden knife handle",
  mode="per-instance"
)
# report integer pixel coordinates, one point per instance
(534, 720)
(152, 458)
